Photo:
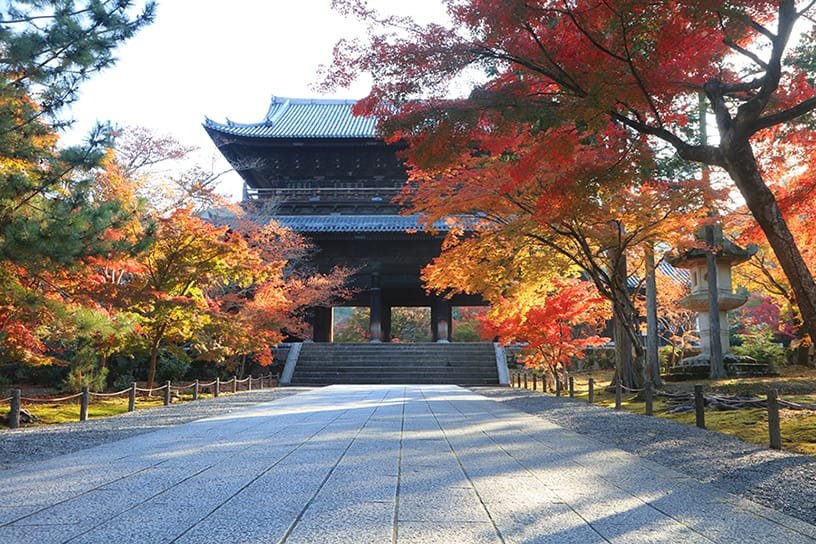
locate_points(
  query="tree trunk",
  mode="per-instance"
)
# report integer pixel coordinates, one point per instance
(628, 365)
(742, 167)
(652, 356)
(154, 358)
(623, 354)
(716, 366)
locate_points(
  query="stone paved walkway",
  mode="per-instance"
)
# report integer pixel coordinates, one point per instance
(373, 464)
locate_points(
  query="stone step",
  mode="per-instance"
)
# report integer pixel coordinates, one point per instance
(370, 363)
(391, 372)
(322, 361)
(393, 380)
(331, 376)
(399, 348)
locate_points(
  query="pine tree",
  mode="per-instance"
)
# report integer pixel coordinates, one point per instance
(47, 49)
(49, 214)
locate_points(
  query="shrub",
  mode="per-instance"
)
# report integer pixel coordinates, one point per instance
(668, 355)
(171, 367)
(757, 342)
(95, 380)
(123, 381)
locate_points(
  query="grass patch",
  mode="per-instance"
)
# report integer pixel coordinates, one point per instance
(795, 384)
(53, 413)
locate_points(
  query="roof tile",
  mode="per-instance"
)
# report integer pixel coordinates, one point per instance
(303, 118)
(355, 223)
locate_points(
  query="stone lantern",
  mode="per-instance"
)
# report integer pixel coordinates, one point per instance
(694, 260)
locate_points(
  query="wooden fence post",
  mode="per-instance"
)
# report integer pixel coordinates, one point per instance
(535, 384)
(14, 413)
(647, 393)
(618, 394)
(699, 406)
(591, 386)
(234, 383)
(525, 380)
(217, 390)
(572, 387)
(167, 393)
(773, 420)
(518, 379)
(195, 390)
(132, 397)
(249, 383)
(83, 405)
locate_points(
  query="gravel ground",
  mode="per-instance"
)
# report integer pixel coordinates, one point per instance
(29, 444)
(780, 480)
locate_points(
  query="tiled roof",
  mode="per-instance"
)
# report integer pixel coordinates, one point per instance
(355, 223)
(677, 274)
(303, 118)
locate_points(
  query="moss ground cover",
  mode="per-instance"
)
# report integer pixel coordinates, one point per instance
(795, 384)
(51, 413)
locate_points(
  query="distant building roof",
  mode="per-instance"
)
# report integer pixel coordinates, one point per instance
(355, 223)
(303, 118)
(677, 274)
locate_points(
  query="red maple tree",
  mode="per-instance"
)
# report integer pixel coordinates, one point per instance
(563, 71)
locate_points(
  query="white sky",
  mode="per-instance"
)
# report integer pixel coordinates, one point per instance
(221, 59)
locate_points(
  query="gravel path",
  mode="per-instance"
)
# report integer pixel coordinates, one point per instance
(780, 480)
(30, 444)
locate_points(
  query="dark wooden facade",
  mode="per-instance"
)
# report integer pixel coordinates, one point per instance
(326, 175)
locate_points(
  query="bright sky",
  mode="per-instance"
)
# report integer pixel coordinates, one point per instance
(222, 60)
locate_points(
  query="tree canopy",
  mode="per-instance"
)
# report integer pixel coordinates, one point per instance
(593, 96)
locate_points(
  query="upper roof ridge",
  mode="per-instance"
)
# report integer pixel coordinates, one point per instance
(303, 118)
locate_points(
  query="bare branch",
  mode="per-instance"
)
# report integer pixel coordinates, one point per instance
(783, 116)
(805, 9)
(744, 52)
(705, 154)
(752, 109)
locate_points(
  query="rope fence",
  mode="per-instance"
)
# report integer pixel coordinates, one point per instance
(85, 397)
(684, 402)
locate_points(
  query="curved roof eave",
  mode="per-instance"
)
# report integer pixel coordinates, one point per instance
(298, 118)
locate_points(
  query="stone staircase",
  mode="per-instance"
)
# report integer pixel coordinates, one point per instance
(456, 363)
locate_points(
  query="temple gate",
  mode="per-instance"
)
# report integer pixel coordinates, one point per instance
(326, 174)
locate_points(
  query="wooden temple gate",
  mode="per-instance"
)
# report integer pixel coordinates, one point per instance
(330, 178)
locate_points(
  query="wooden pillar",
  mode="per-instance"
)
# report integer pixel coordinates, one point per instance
(323, 324)
(376, 315)
(773, 420)
(441, 317)
(386, 323)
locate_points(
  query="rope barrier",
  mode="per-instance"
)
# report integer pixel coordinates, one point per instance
(632, 390)
(15, 400)
(61, 399)
(140, 390)
(122, 392)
